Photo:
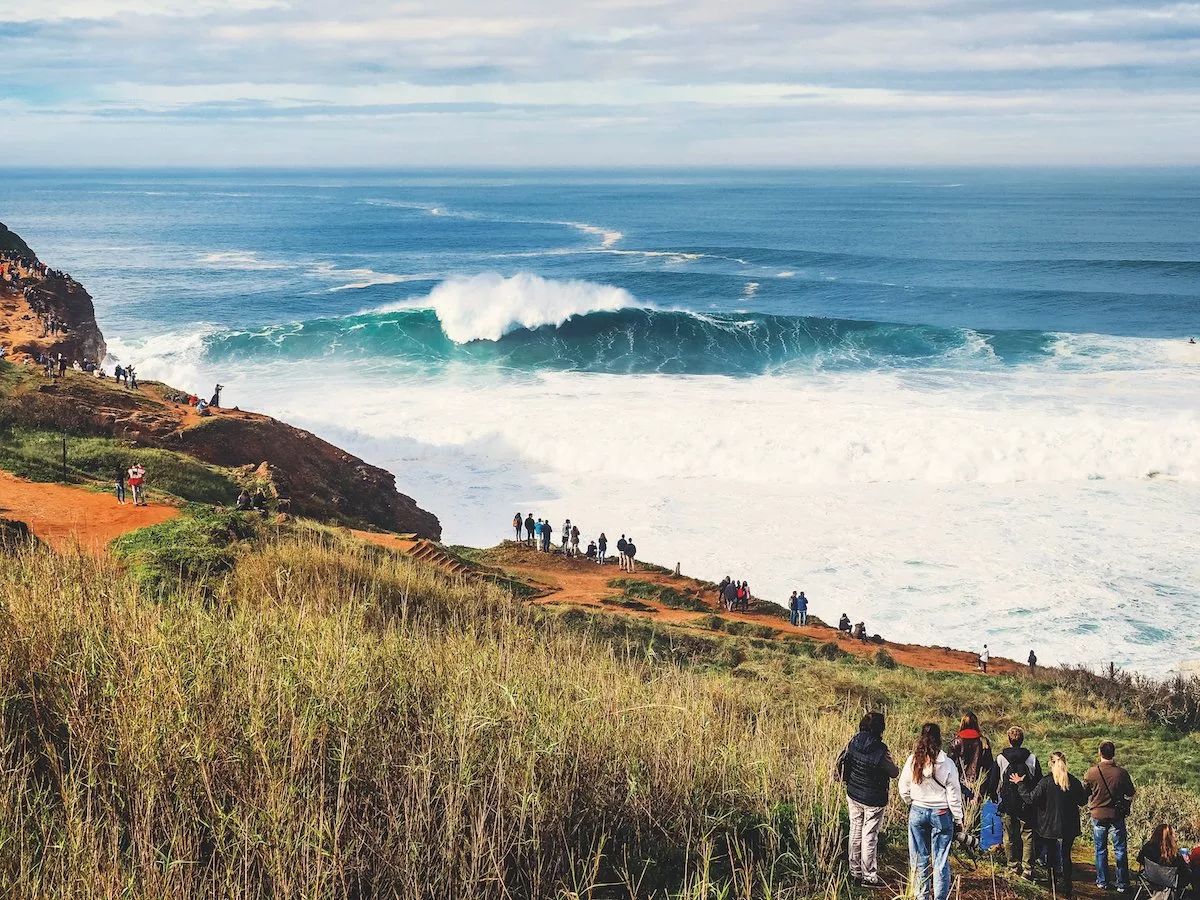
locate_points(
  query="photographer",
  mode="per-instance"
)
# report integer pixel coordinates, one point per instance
(1055, 800)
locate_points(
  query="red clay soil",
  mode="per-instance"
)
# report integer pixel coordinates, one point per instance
(62, 515)
(578, 582)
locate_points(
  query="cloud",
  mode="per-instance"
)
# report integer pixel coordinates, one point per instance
(537, 80)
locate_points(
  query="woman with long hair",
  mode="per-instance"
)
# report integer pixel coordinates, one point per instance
(1055, 801)
(971, 751)
(929, 785)
(1163, 849)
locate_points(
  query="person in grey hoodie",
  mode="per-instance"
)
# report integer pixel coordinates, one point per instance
(866, 767)
(929, 785)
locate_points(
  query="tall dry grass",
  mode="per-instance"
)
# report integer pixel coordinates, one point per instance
(338, 722)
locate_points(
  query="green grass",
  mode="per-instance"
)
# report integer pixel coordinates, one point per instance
(634, 589)
(245, 710)
(36, 454)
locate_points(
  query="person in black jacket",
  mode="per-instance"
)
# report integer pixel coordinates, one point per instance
(1163, 849)
(1056, 800)
(1020, 846)
(866, 767)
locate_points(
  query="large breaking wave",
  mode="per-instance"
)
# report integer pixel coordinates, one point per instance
(528, 322)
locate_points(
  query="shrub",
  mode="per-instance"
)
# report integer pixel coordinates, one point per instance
(884, 660)
(830, 650)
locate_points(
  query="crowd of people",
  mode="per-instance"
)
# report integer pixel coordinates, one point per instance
(539, 534)
(1039, 811)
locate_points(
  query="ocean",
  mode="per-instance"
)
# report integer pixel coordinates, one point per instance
(957, 405)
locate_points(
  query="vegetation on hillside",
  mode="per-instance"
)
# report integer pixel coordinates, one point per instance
(316, 717)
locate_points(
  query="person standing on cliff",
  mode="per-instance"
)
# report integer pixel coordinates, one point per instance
(517, 523)
(601, 549)
(566, 536)
(538, 530)
(574, 541)
(120, 484)
(529, 526)
(621, 544)
(547, 535)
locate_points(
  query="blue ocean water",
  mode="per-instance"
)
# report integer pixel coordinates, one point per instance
(941, 390)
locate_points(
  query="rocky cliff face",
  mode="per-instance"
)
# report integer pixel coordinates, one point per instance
(319, 479)
(10, 242)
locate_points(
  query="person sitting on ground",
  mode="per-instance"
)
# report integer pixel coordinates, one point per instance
(1056, 800)
(929, 785)
(260, 501)
(971, 751)
(243, 500)
(591, 550)
(202, 408)
(1163, 850)
(866, 767)
(844, 623)
(1017, 822)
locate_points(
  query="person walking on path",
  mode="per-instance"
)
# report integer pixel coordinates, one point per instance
(802, 608)
(529, 529)
(120, 480)
(794, 609)
(601, 548)
(1111, 793)
(730, 595)
(137, 481)
(984, 657)
(929, 785)
(517, 523)
(1055, 801)
(1015, 820)
(621, 545)
(866, 767)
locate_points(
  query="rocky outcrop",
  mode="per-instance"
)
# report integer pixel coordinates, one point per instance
(320, 480)
(10, 242)
(65, 298)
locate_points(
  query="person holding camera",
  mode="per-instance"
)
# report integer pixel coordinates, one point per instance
(866, 767)
(1055, 801)
(929, 785)
(1111, 799)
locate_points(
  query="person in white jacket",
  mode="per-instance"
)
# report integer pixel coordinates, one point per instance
(929, 785)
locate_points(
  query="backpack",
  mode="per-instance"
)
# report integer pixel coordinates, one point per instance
(1011, 803)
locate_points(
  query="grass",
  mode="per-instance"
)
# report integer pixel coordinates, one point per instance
(314, 717)
(36, 454)
(670, 597)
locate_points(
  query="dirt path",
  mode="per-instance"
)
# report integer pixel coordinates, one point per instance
(61, 515)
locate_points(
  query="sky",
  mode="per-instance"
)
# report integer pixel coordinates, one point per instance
(499, 83)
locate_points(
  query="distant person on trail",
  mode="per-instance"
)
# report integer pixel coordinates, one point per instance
(120, 482)
(574, 540)
(730, 595)
(1056, 801)
(929, 785)
(631, 555)
(794, 609)
(844, 624)
(591, 550)
(601, 548)
(137, 480)
(1111, 799)
(866, 767)
(547, 534)
(517, 523)
(971, 752)
(566, 535)
(802, 608)
(529, 527)
(538, 530)
(215, 402)
(984, 656)
(1020, 845)
(621, 545)
(1032, 662)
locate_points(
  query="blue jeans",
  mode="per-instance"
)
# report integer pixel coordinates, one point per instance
(120, 492)
(804, 617)
(930, 833)
(1100, 834)
(795, 618)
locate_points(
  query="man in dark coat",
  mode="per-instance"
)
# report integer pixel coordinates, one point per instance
(866, 767)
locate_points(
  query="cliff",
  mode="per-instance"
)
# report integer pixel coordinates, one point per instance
(317, 479)
(10, 242)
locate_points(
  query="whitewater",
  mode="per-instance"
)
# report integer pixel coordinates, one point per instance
(984, 429)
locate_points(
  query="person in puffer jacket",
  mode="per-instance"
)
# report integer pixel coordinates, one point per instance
(929, 785)
(866, 767)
